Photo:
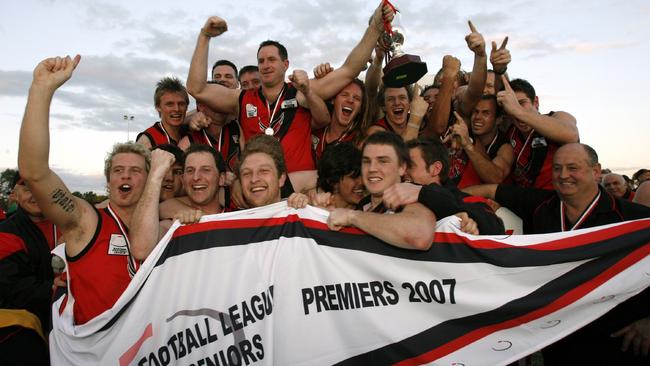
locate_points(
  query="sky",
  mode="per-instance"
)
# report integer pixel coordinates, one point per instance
(585, 57)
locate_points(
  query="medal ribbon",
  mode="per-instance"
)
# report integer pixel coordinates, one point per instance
(132, 264)
(582, 217)
(169, 140)
(275, 108)
(387, 27)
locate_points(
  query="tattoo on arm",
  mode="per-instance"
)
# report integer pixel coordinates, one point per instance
(62, 199)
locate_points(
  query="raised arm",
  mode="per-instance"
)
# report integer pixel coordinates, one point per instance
(473, 93)
(560, 127)
(332, 83)
(499, 58)
(412, 228)
(489, 170)
(442, 106)
(320, 115)
(217, 97)
(145, 231)
(418, 109)
(74, 216)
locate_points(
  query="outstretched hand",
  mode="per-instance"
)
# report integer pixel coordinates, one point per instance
(54, 72)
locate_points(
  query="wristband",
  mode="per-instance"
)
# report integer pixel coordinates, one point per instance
(501, 73)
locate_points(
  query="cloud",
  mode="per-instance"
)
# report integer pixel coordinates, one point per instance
(105, 16)
(81, 182)
(534, 47)
(14, 83)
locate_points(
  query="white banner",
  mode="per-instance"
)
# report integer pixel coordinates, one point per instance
(275, 286)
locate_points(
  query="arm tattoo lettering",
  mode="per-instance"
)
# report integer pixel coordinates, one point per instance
(62, 199)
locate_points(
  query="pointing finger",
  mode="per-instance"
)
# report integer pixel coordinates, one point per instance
(472, 27)
(416, 90)
(506, 84)
(459, 119)
(504, 43)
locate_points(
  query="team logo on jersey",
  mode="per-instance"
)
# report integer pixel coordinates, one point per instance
(251, 110)
(117, 245)
(289, 103)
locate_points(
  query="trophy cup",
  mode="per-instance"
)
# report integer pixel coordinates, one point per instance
(401, 69)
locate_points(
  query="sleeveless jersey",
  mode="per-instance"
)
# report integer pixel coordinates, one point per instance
(291, 124)
(99, 274)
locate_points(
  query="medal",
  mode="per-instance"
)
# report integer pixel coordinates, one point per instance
(269, 129)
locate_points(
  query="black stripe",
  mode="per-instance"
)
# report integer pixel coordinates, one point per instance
(439, 252)
(447, 331)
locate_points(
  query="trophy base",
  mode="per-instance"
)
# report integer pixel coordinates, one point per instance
(404, 70)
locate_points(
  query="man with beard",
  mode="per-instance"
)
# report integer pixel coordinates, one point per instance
(171, 101)
(26, 239)
(280, 109)
(97, 244)
(347, 110)
(384, 162)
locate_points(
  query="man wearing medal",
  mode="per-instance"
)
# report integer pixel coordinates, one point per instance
(577, 202)
(277, 108)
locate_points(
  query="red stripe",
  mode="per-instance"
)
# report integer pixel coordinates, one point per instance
(452, 238)
(130, 354)
(234, 224)
(567, 299)
(10, 244)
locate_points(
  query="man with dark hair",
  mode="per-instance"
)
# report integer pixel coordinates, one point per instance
(396, 104)
(384, 161)
(578, 202)
(486, 158)
(249, 77)
(220, 131)
(26, 277)
(428, 170)
(534, 137)
(203, 176)
(172, 185)
(339, 173)
(280, 109)
(224, 73)
(96, 241)
(171, 101)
